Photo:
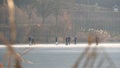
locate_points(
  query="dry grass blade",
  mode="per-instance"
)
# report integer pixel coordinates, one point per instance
(79, 60)
(11, 20)
(94, 57)
(11, 52)
(23, 60)
(13, 33)
(92, 63)
(7, 43)
(17, 65)
(26, 51)
(86, 62)
(90, 59)
(9, 62)
(11, 55)
(99, 65)
(109, 59)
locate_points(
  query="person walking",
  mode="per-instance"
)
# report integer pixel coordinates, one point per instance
(33, 40)
(66, 40)
(97, 40)
(75, 40)
(69, 40)
(30, 40)
(56, 41)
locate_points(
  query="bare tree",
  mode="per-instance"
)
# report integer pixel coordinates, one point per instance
(44, 8)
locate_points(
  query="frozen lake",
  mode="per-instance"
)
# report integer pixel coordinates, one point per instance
(62, 56)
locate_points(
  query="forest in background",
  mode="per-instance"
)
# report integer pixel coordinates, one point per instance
(46, 19)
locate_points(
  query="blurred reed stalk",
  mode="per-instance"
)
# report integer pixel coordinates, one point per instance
(84, 53)
(89, 57)
(11, 9)
(16, 57)
(11, 54)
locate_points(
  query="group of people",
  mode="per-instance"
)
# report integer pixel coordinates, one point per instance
(68, 40)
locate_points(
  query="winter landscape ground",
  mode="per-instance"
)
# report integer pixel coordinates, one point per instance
(62, 56)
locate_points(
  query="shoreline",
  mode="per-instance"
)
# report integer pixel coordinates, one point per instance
(104, 45)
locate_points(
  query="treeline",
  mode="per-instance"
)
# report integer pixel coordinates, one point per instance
(46, 19)
(102, 3)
